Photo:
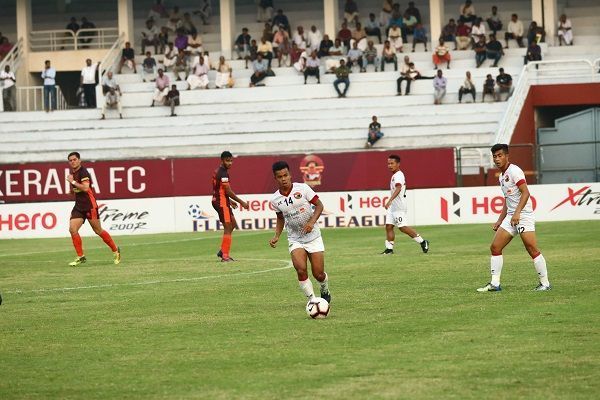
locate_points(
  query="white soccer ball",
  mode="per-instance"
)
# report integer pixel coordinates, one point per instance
(195, 211)
(317, 308)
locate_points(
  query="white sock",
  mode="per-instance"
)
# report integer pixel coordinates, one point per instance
(307, 288)
(418, 239)
(389, 245)
(540, 266)
(325, 284)
(496, 269)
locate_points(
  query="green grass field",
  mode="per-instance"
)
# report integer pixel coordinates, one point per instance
(172, 322)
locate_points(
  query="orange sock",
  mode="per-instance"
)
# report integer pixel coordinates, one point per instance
(226, 244)
(108, 240)
(77, 243)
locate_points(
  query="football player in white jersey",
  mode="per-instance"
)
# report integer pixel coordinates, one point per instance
(293, 203)
(396, 209)
(516, 218)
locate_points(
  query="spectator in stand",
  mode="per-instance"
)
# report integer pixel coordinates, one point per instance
(204, 12)
(261, 68)
(336, 54)
(388, 55)
(150, 37)
(565, 31)
(345, 35)
(49, 77)
(312, 67)
(181, 40)
(463, 32)
(404, 69)
(163, 38)
(268, 32)
(477, 31)
(397, 17)
(253, 52)
(199, 76)
(8, 88)
(341, 74)
(504, 82)
(355, 57)
(441, 54)
(224, 77)
(410, 75)
(158, 11)
(282, 20)
(439, 87)
(494, 50)
(493, 21)
(109, 82)
(313, 39)
(467, 12)
(112, 100)
(374, 133)
(449, 32)
(264, 11)
(514, 30)
(488, 87)
(85, 37)
(242, 44)
(187, 24)
(175, 20)
(280, 38)
(395, 38)
(194, 44)
(299, 38)
(535, 33)
(170, 56)
(324, 46)
(298, 58)
(73, 25)
(419, 36)
(5, 47)
(161, 87)
(480, 51)
(414, 11)
(87, 80)
(372, 28)
(265, 49)
(467, 87)
(359, 36)
(181, 65)
(534, 52)
(351, 12)
(409, 22)
(386, 13)
(149, 68)
(172, 99)
(370, 56)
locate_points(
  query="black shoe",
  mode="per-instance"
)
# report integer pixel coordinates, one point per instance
(425, 246)
(388, 251)
(326, 296)
(228, 259)
(220, 254)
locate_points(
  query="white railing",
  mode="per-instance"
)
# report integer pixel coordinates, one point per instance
(66, 39)
(108, 62)
(542, 73)
(13, 58)
(31, 98)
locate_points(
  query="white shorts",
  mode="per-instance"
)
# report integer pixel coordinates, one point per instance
(526, 224)
(314, 246)
(397, 218)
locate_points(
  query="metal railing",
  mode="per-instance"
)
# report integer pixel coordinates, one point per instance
(66, 39)
(109, 61)
(31, 98)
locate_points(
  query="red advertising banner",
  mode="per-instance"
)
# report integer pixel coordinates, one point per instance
(127, 179)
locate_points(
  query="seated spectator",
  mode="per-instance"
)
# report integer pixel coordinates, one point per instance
(359, 36)
(324, 46)
(299, 38)
(504, 82)
(414, 11)
(298, 58)
(128, 57)
(150, 37)
(351, 12)
(181, 40)
(494, 50)
(163, 38)
(370, 56)
(5, 47)
(73, 26)
(336, 54)
(410, 75)
(441, 54)
(268, 32)
(355, 57)
(265, 49)
(565, 31)
(194, 44)
(204, 12)
(514, 30)
(374, 133)
(480, 51)
(224, 77)
(242, 44)
(534, 52)
(388, 55)
(535, 33)
(386, 13)
(175, 20)
(199, 76)
(158, 11)
(253, 52)
(477, 31)
(467, 12)
(161, 87)
(396, 18)
(493, 21)
(345, 35)
(372, 27)
(313, 39)
(409, 22)
(463, 36)
(109, 82)
(439, 87)
(488, 87)
(181, 65)
(395, 38)
(449, 32)
(170, 56)
(86, 36)
(341, 74)
(172, 99)
(419, 36)
(467, 87)
(281, 43)
(312, 67)
(260, 67)
(112, 100)
(281, 20)
(148, 68)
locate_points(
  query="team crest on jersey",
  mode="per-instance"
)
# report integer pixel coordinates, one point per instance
(297, 195)
(506, 178)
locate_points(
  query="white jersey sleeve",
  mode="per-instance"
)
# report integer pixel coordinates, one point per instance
(510, 181)
(399, 203)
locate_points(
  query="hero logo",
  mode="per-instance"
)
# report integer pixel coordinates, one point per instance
(479, 205)
(581, 197)
(122, 220)
(364, 202)
(23, 222)
(444, 206)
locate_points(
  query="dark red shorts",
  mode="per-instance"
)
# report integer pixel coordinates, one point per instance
(225, 213)
(85, 214)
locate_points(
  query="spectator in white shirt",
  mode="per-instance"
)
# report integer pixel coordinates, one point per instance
(314, 39)
(199, 76)
(9, 92)
(299, 38)
(112, 100)
(224, 77)
(355, 57)
(388, 55)
(87, 80)
(514, 30)
(439, 87)
(49, 76)
(467, 12)
(395, 37)
(150, 36)
(194, 42)
(372, 27)
(108, 82)
(170, 56)
(565, 31)
(162, 87)
(477, 31)
(311, 67)
(467, 87)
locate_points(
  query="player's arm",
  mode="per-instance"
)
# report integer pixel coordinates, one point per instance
(84, 186)
(233, 196)
(316, 214)
(393, 196)
(278, 230)
(522, 202)
(501, 217)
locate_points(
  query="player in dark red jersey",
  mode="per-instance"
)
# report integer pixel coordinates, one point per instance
(221, 202)
(86, 207)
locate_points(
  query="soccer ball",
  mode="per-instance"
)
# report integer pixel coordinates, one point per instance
(317, 308)
(195, 211)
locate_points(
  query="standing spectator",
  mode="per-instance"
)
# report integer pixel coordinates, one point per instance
(314, 39)
(419, 36)
(463, 32)
(260, 67)
(85, 24)
(388, 55)
(224, 75)
(514, 30)
(504, 82)
(414, 11)
(395, 38)
(282, 20)
(172, 99)
(87, 81)
(370, 56)
(351, 12)
(148, 68)
(49, 77)
(265, 49)
(109, 82)
(181, 40)
(488, 87)
(480, 51)
(493, 21)
(441, 54)
(467, 12)
(467, 87)
(374, 132)
(161, 87)
(204, 12)
(565, 31)
(112, 100)
(341, 74)
(359, 36)
(170, 56)
(312, 67)
(355, 57)
(439, 87)
(534, 52)
(158, 11)
(345, 35)
(9, 90)
(264, 12)
(386, 13)
(494, 50)
(324, 46)
(150, 37)
(199, 76)
(128, 56)
(449, 32)
(242, 44)
(372, 27)
(477, 31)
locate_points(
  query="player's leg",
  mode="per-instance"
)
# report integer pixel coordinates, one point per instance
(74, 225)
(539, 262)
(414, 235)
(299, 257)
(97, 228)
(503, 236)
(316, 255)
(390, 235)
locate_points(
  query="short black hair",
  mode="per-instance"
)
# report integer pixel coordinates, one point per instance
(74, 153)
(500, 146)
(394, 157)
(226, 154)
(501, 70)
(279, 165)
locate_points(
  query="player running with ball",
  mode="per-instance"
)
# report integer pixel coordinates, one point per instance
(293, 203)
